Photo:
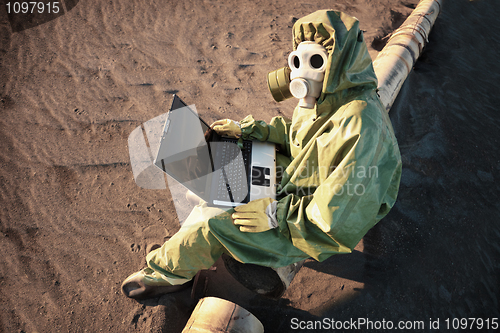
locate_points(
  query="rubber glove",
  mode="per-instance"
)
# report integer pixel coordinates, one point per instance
(227, 127)
(256, 216)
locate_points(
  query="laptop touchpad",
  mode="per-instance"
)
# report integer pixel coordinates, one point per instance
(261, 176)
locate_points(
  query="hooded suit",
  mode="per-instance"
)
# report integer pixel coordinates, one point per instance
(339, 165)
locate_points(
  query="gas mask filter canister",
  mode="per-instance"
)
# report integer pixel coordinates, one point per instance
(303, 79)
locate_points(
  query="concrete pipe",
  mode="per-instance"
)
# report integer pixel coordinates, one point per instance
(216, 315)
(396, 60)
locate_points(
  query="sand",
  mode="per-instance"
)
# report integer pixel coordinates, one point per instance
(74, 224)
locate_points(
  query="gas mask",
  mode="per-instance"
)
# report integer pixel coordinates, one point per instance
(303, 78)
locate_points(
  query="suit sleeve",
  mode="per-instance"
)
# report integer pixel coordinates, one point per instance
(277, 131)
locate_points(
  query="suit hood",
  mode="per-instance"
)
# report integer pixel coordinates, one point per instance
(349, 64)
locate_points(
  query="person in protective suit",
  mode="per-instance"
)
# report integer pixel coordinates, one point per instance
(339, 160)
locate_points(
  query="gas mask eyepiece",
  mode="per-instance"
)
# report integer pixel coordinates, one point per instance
(303, 78)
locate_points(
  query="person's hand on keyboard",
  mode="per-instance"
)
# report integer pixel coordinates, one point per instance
(227, 127)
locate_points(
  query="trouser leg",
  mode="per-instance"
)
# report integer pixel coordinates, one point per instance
(201, 241)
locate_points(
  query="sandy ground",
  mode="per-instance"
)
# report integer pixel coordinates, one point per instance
(73, 223)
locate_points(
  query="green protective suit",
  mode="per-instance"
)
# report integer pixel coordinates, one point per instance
(339, 165)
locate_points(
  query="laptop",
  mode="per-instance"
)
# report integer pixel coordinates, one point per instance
(223, 171)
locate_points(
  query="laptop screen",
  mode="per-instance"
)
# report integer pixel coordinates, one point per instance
(184, 153)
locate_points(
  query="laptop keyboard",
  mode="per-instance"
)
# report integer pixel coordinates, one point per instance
(233, 184)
